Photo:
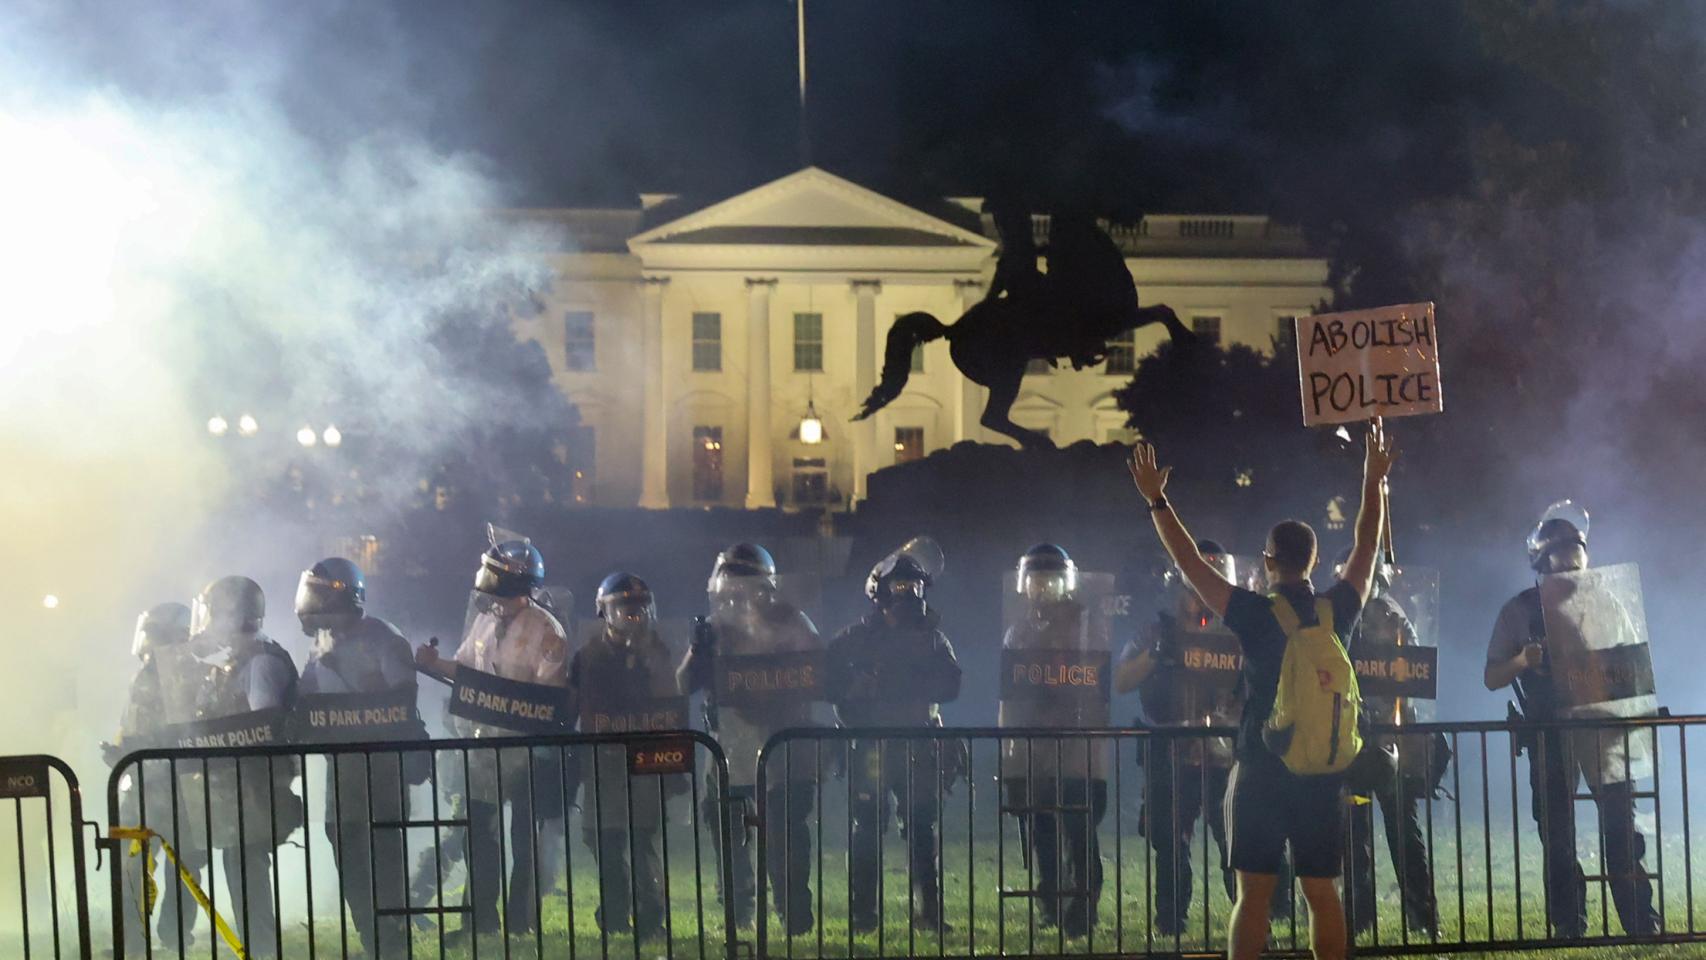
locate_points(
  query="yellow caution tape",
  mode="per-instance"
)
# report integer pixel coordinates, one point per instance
(139, 838)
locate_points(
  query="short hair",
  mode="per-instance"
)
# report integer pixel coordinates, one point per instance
(1291, 546)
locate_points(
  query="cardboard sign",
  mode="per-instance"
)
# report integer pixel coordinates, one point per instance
(256, 728)
(1368, 363)
(660, 757)
(766, 679)
(356, 717)
(633, 716)
(21, 778)
(1393, 670)
(510, 704)
(1029, 674)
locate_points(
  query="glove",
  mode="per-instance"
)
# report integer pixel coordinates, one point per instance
(704, 636)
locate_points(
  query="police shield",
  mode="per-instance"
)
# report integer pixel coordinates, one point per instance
(1056, 672)
(1396, 652)
(1596, 642)
(768, 666)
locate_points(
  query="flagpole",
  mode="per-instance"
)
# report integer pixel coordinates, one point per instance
(805, 133)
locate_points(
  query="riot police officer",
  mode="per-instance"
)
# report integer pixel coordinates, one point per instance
(1059, 790)
(511, 635)
(748, 618)
(257, 675)
(894, 668)
(146, 797)
(355, 653)
(616, 679)
(1186, 777)
(1378, 775)
(1518, 655)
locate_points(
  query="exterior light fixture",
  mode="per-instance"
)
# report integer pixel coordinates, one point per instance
(331, 436)
(811, 426)
(247, 425)
(307, 437)
(217, 426)
(50, 601)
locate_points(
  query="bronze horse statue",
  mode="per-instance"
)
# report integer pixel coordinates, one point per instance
(1086, 299)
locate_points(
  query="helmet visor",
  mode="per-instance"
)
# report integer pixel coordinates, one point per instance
(315, 595)
(141, 642)
(1048, 585)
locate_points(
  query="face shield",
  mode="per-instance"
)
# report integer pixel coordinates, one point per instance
(733, 592)
(322, 604)
(1559, 541)
(1048, 586)
(629, 618)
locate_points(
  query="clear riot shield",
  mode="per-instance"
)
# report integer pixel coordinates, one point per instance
(1397, 653)
(768, 670)
(1195, 680)
(1056, 672)
(1596, 640)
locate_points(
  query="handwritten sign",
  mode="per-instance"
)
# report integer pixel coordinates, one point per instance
(767, 679)
(256, 728)
(1368, 363)
(1394, 670)
(660, 757)
(511, 704)
(1030, 674)
(23, 778)
(356, 717)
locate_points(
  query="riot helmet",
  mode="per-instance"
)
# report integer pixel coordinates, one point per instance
(162, 625)
(1188, 605)
(1384, 571)
(627, 607)
(1562, 530)
(900, 582)
(510, 568)
(743, 574)
(330, 594)
(1046, 574)
(226, 611)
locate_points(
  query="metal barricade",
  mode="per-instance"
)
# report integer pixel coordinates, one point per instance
(560, 846)
(1458, 837)
(46, 914)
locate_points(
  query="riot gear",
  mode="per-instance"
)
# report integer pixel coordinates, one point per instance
(626, 606)
(226, 610)
(1046, 574)
(918, 561)
(1563, 524)
(162, 625)
(330, 594)
(513, 568)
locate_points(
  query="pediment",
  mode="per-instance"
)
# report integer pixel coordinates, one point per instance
(811, 207)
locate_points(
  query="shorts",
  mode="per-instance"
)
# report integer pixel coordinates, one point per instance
(1268, 807)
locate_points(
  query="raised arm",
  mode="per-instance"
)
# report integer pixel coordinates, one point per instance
(1151, 480)
(1371, 516)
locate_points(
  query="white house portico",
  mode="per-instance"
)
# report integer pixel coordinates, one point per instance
(694, 339)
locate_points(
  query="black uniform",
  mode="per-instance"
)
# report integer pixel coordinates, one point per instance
(882, 675)
(1376, 774)
(369, 656)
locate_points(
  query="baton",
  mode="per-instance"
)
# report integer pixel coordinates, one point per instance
(423, 671)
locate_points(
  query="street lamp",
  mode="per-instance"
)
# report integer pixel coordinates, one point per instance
(332, 436)
(306, 436)
(217, 426)
(247, 426)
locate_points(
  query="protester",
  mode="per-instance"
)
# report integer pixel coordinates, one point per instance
(1269, 805)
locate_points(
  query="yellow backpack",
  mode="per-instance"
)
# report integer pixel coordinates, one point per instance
(1313, 726)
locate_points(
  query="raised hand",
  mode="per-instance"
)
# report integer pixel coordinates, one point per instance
(1150, 479)
(1379, 452)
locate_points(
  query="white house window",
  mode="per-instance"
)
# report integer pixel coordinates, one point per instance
(1207, 327)
(808, 342)
(578, 341)
(908, 444)
(708, 463)
(1122, 355)
(707, 342)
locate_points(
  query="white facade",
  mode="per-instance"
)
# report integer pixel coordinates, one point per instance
(814, 255)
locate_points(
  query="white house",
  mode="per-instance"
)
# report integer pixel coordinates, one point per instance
(694, 339)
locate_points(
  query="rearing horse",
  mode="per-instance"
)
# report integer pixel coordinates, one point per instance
(995, 340)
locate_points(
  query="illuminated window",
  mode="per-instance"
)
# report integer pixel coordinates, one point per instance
(811, 480)
(1207, 327)
(808, 342)
(1122, 355)
(908, 444)
(707, 342)
(708, 463)
(578, 340)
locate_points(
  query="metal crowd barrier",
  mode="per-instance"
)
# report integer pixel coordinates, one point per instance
(560, 846)
(44, 900)
(968, 872)
(870, 843)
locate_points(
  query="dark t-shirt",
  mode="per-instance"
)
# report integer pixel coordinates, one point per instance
(1251, 616)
